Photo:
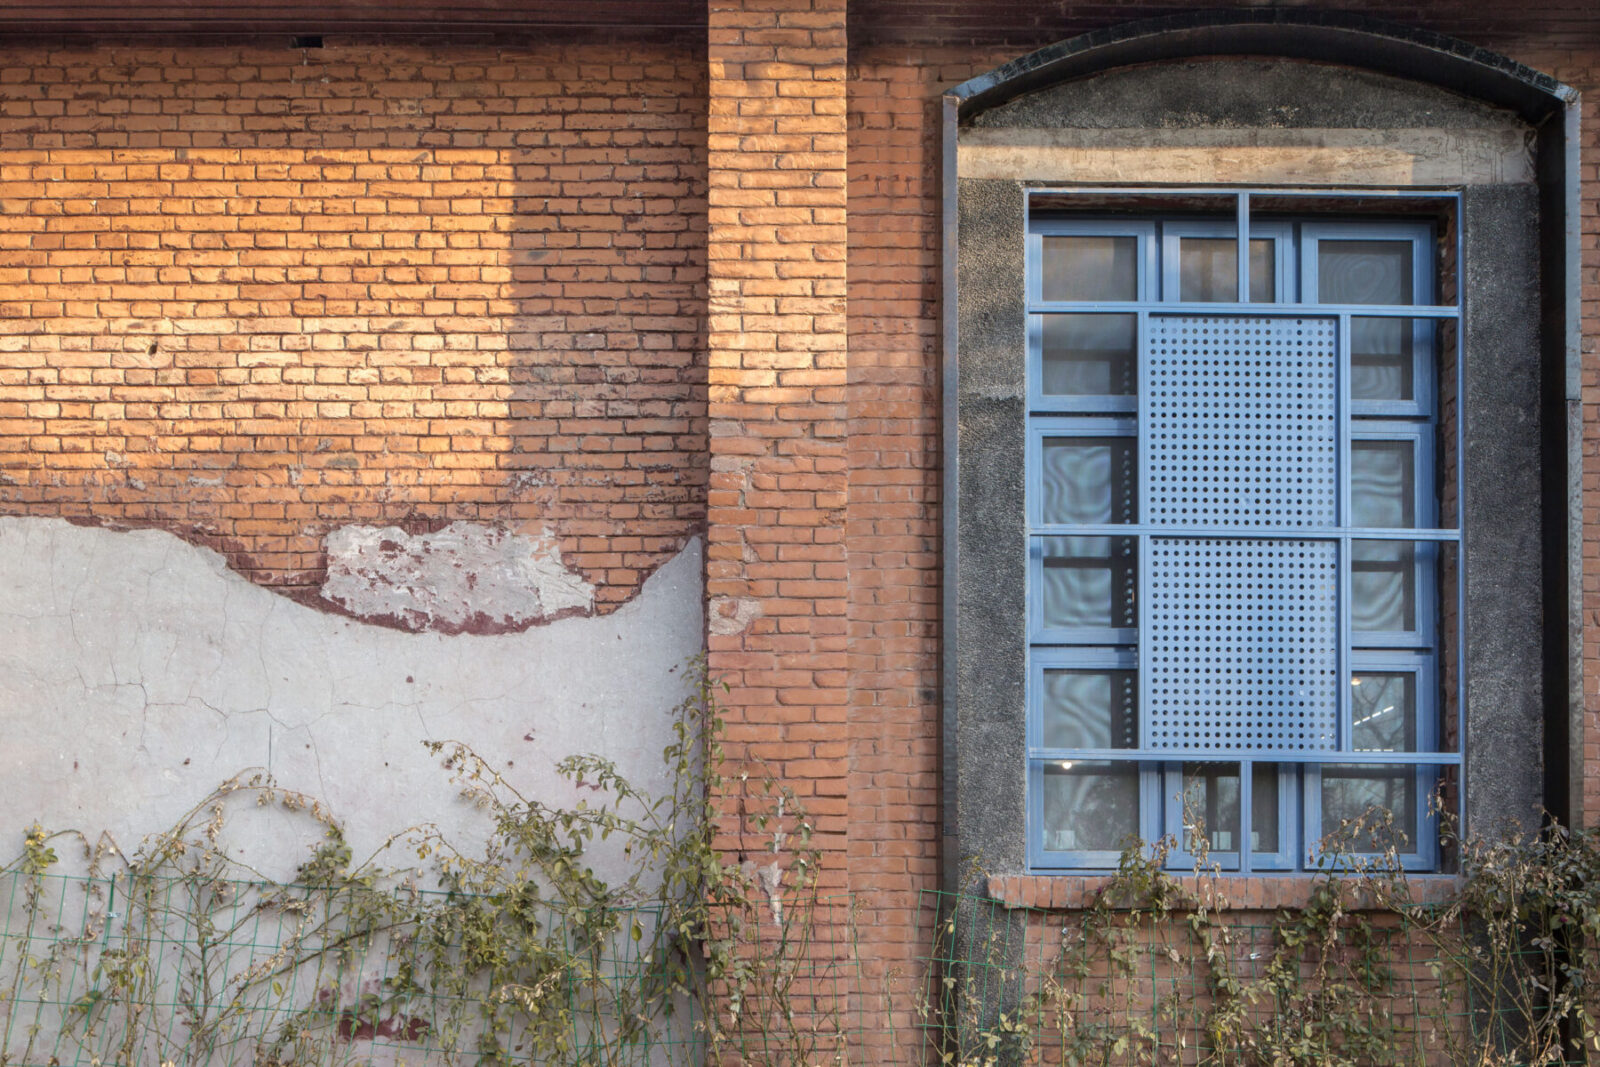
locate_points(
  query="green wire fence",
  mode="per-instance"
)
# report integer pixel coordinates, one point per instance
(134, 970)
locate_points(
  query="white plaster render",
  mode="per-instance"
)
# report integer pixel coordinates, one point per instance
(137, 673)
(1427, 156)
(465, 577)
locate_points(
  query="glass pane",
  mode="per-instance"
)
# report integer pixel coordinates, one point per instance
(1364, 272)
(1090, 806)
(1090, 709)
(1383, 585)
(1090, 268)
(1383, 484)
(1266, 833)
(1088, 480)
(1383, 711)
(1208, 270)
(1211, 806)
(1263, 271)
(1090, 355)
(1089, 582)
(1369, 809)
(1380, 359)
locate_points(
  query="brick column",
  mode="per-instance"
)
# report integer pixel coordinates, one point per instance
(776, 566)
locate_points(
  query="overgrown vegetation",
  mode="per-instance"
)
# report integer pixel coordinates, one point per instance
(715, 943)
(1372, 969)
(519, 953)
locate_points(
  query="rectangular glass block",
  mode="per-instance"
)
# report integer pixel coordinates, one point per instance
(1211, 807)
(1369, 808)
(1090, 709)
(1383, 711)
(1090, 268)
(1383, 586)
(1089, 582)
(1208, 270)
(1266, 829)
(1088, 480)
(1364, 272)
(1090, 355)
(1090, 806)
(1383, 484)
(1381, 359)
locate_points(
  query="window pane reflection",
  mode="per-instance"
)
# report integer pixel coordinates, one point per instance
(1383, 711)
(1090, 709)
(1090, 806)
(1208, 270)
(1211, 806)
(1266, 833)
(1383, 579)
(1089, 583)
(1380, 359)
(1090, 268)
(1090, 355)
(1383, 486)
(1364, 272)
(1088, 480)
(1369, 809)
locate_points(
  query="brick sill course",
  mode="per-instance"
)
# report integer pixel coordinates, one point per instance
(1254, 892)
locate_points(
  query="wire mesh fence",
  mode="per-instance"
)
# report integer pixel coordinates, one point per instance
(135, 970)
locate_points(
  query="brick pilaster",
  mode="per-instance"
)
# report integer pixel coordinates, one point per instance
(776, 564)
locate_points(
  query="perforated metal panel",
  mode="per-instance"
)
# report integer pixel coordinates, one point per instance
(1243, 646)
(1241, 421)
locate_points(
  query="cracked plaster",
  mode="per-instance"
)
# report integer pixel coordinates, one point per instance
(137, 673)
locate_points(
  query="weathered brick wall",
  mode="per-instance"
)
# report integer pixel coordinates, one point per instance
(251, 295)
(776, 566)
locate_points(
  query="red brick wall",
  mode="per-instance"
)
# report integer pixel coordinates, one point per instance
(776, 567)
(253, 294)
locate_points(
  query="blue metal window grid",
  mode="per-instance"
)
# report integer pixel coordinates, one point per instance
(1154, 536)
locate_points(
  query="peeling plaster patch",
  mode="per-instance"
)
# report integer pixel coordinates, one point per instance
(732, 615)
(137, 672)
(465, 578)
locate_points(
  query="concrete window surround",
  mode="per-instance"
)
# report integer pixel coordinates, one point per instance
(1236, 101)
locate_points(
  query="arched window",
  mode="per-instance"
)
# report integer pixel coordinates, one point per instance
(1246, 549)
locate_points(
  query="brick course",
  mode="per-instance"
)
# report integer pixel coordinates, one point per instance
(250, 295)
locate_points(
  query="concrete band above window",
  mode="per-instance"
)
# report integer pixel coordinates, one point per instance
(1515, 504)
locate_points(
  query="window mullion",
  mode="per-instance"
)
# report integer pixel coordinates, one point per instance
(1342, 462)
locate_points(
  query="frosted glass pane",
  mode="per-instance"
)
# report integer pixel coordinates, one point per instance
(1383, 486)
(1090, 268)
(1383, 586)
(1090, 355)
(1091, 806)
(1383, 800)
(1383, 711)
(1090, 709)
(1380, 359)
(1208, 270)
(1088, 480)
(1211, 806)
(1089, 582)
(1364, 272)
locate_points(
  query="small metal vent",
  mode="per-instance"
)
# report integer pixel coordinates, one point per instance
(1243, 649)
(1241, 422)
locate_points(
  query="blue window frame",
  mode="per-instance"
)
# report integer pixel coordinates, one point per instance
(1243, 577)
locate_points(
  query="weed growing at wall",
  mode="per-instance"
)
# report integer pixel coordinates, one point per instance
(1371, 969)
(516, 953)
